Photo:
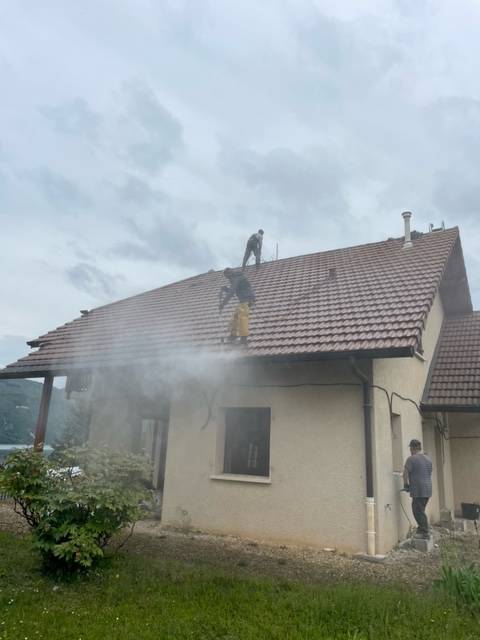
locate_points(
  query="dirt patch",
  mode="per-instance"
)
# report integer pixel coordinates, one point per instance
(249, 558)
(11, 521)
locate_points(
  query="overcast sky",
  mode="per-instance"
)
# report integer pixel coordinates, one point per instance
(142, 141)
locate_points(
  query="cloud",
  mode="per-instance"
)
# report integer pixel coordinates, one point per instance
(456, 191)
(159, 133)
(3, 185)
(167, 240)
(293, 195)
(347, 60)
(454, 126)
(135, 191)
(319, 122)
(311, 177)
(61, 193)
(86, 277)
(74, 118)
(12, 348)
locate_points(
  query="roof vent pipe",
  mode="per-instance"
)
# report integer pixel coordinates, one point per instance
(406, 215)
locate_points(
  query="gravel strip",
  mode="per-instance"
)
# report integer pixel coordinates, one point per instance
(250, 558)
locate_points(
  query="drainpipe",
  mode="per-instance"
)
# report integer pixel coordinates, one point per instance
(367, 423)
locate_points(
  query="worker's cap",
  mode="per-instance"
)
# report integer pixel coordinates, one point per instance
(228, 271)
(415, 444)
(261, 231)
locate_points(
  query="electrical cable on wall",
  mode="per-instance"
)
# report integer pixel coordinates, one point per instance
(209, 402)
(442, 429)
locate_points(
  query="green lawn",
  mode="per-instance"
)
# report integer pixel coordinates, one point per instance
(137, 597)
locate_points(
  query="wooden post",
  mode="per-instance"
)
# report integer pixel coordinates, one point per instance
(42, 419)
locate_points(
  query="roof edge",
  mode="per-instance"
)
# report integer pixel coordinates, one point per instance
(450, 408)
(433, 362)
(397, 352)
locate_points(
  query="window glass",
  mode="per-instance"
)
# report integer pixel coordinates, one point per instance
(247, 441)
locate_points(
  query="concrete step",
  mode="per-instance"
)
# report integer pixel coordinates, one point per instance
(423, 544)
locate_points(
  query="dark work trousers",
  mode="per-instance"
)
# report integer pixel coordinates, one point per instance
(249, 249)
(418, 508)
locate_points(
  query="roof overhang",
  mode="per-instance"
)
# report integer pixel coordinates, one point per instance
(60, 371)
(12, 375)
(450, 408)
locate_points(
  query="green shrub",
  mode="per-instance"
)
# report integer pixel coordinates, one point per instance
(74, 504)
(463, 584)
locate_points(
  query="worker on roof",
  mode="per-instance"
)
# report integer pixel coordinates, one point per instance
(254, 245)
(242, 289)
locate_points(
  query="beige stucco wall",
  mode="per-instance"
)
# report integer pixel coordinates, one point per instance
(407, 377)
(317, 483)
(464, 431)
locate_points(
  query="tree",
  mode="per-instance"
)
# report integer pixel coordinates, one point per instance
(77, 425)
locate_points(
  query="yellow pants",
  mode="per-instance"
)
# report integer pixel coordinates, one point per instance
(239, 321)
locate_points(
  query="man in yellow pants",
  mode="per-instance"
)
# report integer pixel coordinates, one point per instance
(242, 289)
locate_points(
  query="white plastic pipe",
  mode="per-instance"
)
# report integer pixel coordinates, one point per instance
(371, 534)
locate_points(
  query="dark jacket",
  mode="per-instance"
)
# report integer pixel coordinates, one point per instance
(240, 287)
(255, 241)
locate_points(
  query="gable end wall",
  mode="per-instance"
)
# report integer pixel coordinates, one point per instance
(407, 377)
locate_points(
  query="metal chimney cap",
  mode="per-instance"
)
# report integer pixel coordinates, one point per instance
(406, 214)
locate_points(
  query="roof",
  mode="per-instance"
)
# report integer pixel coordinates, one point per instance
(454, 382)
(374, 302)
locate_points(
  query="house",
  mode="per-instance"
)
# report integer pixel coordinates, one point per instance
(301, 436)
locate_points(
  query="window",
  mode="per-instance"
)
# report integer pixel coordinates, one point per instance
(247, 441)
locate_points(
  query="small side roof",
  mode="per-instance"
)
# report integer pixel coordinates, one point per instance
(368, 300)
(454, 382)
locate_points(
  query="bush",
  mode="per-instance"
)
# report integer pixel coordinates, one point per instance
(463, 584)
(75, 504)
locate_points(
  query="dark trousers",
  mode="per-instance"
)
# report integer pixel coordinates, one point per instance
(249, 249)
(418, 509)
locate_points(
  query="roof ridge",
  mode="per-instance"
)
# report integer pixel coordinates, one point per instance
(302, 255)
(366, 244)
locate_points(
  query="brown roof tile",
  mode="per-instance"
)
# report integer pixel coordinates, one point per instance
(455, 377)
(377, 302)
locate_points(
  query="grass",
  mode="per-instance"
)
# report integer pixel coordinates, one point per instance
(139, 597)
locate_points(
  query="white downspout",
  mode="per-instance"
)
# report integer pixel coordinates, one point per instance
(371, 534)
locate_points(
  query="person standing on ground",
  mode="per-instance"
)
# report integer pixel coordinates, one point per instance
(417, 479)
(242, 289)
(254, 245)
